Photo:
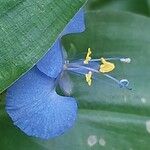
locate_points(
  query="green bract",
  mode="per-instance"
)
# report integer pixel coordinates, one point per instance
(27, 31)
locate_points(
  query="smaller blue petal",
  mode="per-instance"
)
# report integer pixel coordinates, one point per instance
(37, 109)
(51, 64)
(65, 83)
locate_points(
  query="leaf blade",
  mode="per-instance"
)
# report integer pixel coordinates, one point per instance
(28, 29)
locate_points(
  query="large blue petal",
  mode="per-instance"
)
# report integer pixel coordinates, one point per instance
(51, 64)
(37, 109)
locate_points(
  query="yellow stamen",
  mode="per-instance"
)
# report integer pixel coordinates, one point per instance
(106, 66)
(88, 57)
(88, 77)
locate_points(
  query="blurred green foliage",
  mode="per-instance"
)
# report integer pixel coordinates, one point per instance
(135, 6)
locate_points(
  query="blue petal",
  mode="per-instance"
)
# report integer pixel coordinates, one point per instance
(76, 24)
(37, 109)
(51, 64)
(65, 83)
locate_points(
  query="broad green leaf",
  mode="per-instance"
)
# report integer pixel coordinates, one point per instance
(27, 29)
(136, 6)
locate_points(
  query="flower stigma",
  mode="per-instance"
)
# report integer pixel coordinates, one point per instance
(103, 66)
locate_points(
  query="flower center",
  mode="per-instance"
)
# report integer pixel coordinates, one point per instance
(102, 66)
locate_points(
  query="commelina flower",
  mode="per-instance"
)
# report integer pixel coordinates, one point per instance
(32, 101)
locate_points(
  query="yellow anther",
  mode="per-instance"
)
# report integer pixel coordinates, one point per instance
(88, 77)
(88, 57)
(106, 66)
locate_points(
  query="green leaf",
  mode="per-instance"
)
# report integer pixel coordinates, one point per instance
(108, 118)
(27, 30)
(136, 6)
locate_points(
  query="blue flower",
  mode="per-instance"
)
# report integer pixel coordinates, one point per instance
(32, 101)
